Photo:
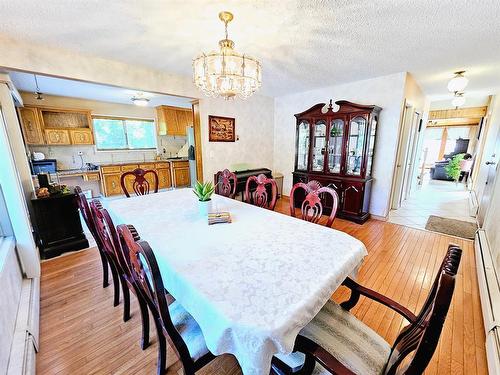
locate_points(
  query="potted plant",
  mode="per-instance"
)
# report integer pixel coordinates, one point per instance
(204, 193)
(453, 167)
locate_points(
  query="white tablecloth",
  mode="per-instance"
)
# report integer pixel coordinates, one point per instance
(251, 285)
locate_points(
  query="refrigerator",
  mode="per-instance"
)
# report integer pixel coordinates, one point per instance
(191, 155)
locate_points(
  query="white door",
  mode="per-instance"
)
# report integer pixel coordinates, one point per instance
(492, 162)
(411, 156)
(401, 158)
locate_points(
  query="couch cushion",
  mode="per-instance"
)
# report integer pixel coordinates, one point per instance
(353, 343)
(189, 330)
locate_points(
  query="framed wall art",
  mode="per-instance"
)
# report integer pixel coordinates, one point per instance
(221, 129)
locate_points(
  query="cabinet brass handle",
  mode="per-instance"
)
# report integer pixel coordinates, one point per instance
(113, 184)
(30, 126)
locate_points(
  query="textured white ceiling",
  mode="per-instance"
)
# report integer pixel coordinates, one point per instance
(91, 91)
(303, 44)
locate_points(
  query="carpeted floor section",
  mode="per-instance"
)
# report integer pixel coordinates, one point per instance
(457, 228)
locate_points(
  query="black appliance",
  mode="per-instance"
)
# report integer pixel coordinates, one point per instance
(43, 166)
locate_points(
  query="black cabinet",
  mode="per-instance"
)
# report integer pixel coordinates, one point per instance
(57, 225)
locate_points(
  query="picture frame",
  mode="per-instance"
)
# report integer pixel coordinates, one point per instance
(221, 129)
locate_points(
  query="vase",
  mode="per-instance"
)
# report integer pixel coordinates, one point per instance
(204, 207)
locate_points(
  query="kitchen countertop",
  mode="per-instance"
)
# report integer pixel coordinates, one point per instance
(144, 162)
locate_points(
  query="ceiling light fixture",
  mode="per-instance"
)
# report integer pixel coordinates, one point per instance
(226, 72)
(458, 83)
(140, 100)
(38, 94)
(458, 100)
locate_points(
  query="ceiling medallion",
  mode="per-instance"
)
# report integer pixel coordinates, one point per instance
(226, 72)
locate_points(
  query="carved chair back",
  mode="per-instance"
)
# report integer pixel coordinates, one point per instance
(260, 196)
(417, 342)
(225, 183)
(83, 205)
(147, 278)
(106, 232)
(312, 208)
(140, 185)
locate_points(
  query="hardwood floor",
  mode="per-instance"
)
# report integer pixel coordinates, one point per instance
(82, 333)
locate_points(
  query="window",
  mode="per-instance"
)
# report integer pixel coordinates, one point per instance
(113, 133)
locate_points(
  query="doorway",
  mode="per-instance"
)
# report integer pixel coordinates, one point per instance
(434, 178)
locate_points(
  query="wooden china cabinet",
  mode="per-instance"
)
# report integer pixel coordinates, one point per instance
(336, 148)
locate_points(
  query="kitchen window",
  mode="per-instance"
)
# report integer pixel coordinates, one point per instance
(116, 133)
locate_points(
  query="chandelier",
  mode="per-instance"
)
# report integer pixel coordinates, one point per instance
(226, 72)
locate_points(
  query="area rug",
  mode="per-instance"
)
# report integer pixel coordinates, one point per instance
(457, 228)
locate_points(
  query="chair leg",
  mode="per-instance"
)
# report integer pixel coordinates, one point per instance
(126, 299)
(162, 348)
(145, 322)
(105, 274)
(116, 283)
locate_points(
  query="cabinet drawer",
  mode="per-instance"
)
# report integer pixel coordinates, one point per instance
(57, 137)
(111, 169)
(129, 167)
(91, 177)
(81, 137)
(162, 165)
(147, 166)
(180, 164)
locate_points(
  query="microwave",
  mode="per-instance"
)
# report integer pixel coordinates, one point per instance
(43, 166)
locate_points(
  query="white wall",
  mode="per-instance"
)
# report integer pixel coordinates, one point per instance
(254, 126)
(386, 92)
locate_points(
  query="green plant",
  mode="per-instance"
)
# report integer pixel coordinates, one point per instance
(204, 190)
(453, 167)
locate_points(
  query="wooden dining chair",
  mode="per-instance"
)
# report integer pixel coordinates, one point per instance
(141, 185)
(83, 206)
(260, 196)
(119, 266)
(225, 183)
(312, 208)
(336, 342)
(171, 320)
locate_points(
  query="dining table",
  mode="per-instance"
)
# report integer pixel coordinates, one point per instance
(251, 284)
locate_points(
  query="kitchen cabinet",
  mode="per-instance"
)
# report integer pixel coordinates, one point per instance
(164, 180)
(61, 126)
(173, 120)
(336, 148)
(57, 137)
(181, 173)
(81, 137)
(30, 126)
(111, 184)
(111, 176)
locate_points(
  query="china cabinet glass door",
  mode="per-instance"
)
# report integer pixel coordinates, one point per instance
(355, 142)
(371, 146)
(303, 145)
(319, 144)
(335, 145)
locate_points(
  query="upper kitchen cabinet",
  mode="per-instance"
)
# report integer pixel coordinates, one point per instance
(56, 126)
(173, 120)
(30, 126)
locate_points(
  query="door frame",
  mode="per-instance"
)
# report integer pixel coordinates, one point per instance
(195, 104)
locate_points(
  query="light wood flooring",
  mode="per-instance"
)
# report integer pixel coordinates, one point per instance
(82, 333)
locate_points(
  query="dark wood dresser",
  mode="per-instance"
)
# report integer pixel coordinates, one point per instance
(336, 148)
(57, 225)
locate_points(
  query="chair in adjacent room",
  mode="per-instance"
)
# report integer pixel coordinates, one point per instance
(336, 342)
(225, 183)
(119, 266)
(142, 182)
(83, 205)
(312, 207)
(171, 320)
(265, 193)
